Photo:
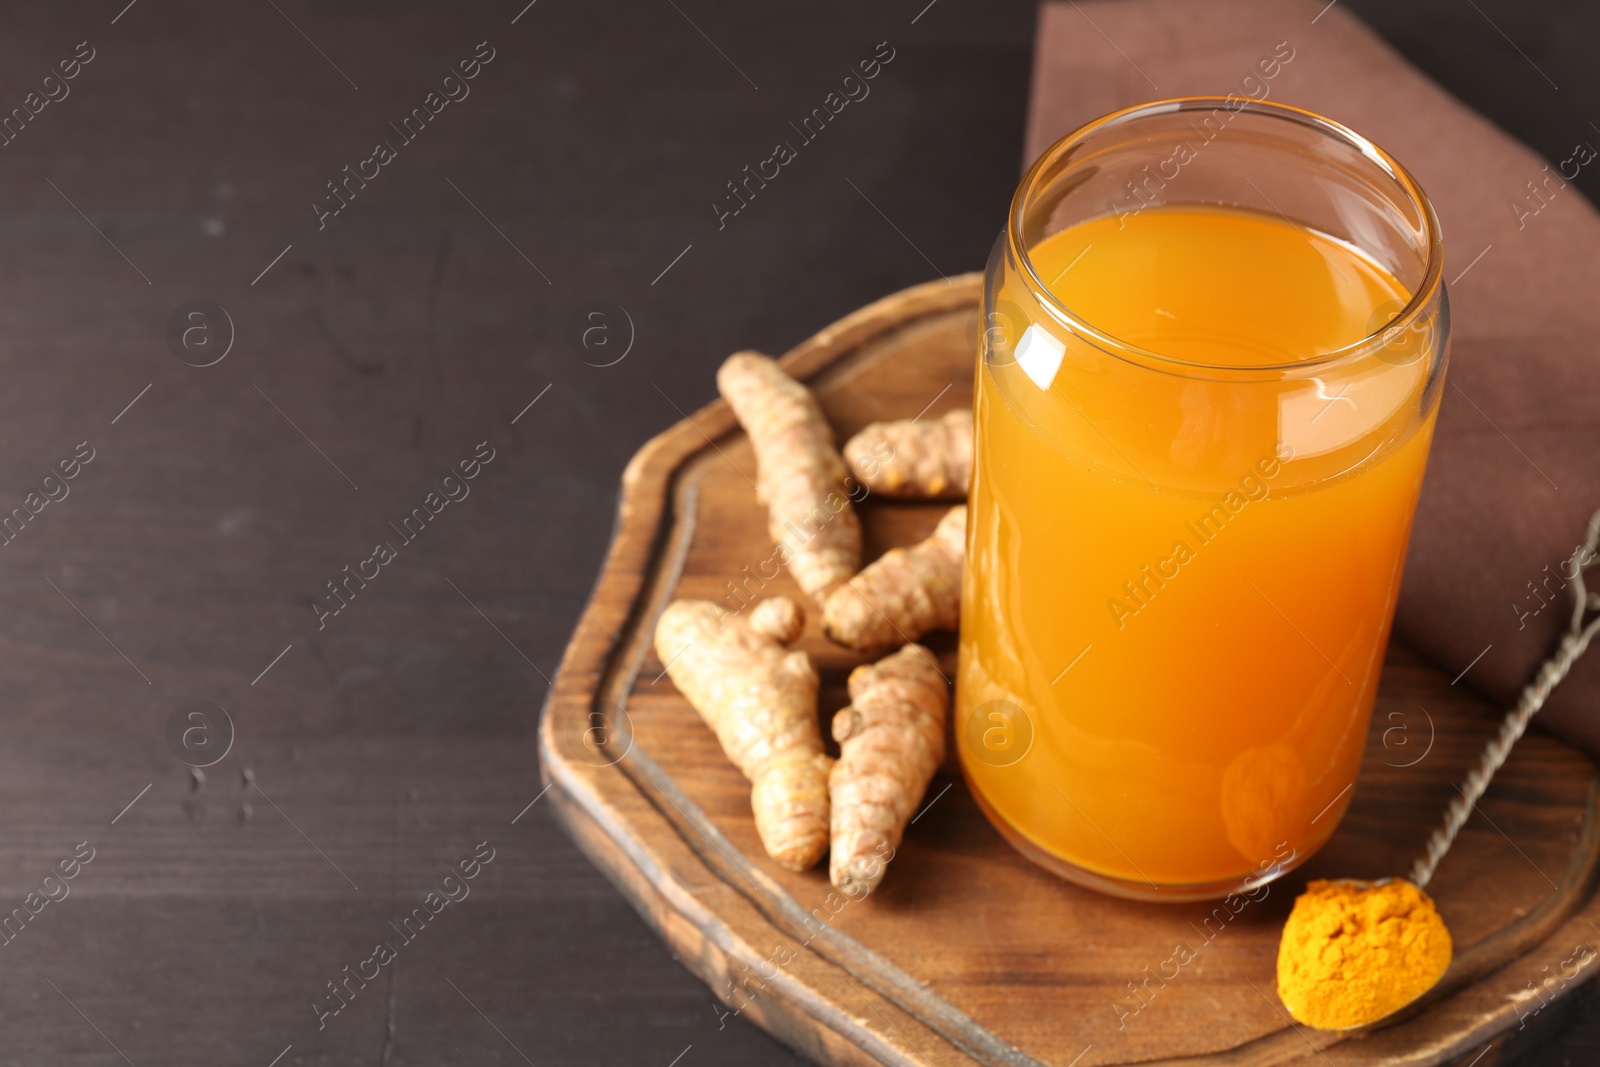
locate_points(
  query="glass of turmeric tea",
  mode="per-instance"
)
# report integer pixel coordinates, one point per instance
(1213, 339)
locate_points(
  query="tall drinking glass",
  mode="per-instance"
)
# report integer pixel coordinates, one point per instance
(1213, 341)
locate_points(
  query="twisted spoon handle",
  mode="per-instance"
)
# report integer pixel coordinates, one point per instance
(1573, 644)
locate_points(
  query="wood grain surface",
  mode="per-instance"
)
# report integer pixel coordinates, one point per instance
(408, 330)
(968, 953)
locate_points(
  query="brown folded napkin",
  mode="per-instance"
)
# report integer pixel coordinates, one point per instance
(1515, 471)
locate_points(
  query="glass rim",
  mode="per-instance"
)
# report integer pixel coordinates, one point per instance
(1432, 279)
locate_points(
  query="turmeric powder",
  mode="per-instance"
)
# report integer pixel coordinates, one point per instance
(914, 459)
(800, 475)
(1355, 952)
(760, 699)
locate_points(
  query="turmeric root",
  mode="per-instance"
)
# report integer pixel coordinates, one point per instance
(905, 593)
(912, 459)
(800, 474)
(891, 740)
(760, 699)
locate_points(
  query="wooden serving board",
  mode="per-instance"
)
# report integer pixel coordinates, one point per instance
(968, 953)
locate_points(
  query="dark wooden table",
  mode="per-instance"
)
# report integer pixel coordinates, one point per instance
(356, 359)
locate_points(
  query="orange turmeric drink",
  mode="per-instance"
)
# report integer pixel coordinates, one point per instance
(1201, 429)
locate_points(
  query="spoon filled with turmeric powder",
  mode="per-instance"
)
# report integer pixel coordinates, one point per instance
(1355, 952)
